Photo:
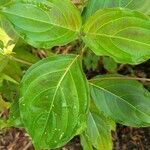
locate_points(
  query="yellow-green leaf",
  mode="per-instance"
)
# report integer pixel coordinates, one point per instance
(94, 5)
(54, 101)
(44, 23)
(119, 33)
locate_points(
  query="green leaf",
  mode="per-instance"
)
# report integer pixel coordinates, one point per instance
(4, 2)
(6, 77)
(23, 52)
(94, 5)
(13, 70)
(8, 37)
(99, 131)
(109, 64)
(14, 116)
(44, 23)
(9, 90)
(3, 124)
(90, 60)
(119, 33)
(3, 62)
(54, 101)
(85, 142)
(124, 100)
(3, 105)
(97, 136)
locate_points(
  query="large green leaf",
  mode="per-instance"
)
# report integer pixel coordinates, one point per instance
(119, 33)
(98, 132)
(44, 23)
(54, 101)
(14, 116)
(125, 101)
(94, 5)
(4, 2)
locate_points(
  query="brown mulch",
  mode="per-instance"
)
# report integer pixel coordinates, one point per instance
(14, 139)
(125, 138)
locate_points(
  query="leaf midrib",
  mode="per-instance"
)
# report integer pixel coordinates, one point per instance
(33, 19)
(119, 37)
(57, 87)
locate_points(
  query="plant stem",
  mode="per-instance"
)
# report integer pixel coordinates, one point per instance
(21, 61)
(82, 50)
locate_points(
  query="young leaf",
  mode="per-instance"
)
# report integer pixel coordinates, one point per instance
(98, 131)
(90, 60)
(125, 101)
(44, 24)
(119, 33)
(109, 64)
(94, 5)
(54, 101)
(8, 37)
(4, 105)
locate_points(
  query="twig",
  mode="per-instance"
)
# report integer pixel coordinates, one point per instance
(21, 61)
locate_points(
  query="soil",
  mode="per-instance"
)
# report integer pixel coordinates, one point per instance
(125, 138)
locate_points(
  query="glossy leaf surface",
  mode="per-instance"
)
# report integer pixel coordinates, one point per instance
(125, 101)
(44, 23)
(54, 101)
(119, 33)
(94, 5)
